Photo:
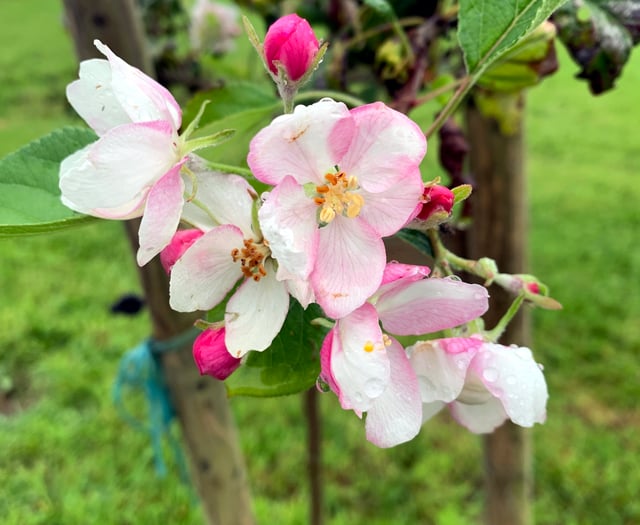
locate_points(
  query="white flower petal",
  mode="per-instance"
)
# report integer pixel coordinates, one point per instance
(430, 305)
(349, 266)
(205, 273)
(396, 416)
(389, 210)
(161, 215)
(93, 99)
(117, 170)
(386, 147)
(227, 197)
(297, 144)
(255, 314)
(512, 375)
(479, 419)
(288, 222)
(359, 363)
(141, 97)
(441, 374)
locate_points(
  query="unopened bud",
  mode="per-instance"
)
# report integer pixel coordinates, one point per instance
(291, 42)
(437, 202)
(211, 355)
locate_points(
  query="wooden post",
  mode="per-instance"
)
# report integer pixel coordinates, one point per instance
(217, 467)
(500, 231)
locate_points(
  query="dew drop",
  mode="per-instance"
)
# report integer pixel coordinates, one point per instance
(374, 387)
(322, 385)
(490, 375)
(461, 364)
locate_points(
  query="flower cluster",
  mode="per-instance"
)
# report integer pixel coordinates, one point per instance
(339, 181)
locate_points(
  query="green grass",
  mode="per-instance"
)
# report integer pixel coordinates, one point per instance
(67, 458)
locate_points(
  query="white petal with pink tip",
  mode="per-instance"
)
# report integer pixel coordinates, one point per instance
(205, 273)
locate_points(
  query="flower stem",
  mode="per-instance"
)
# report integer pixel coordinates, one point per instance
(496, 332)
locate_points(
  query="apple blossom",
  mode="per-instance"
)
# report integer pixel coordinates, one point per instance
(369, 370)
(482, 383)
(230, 250)
(134, 166)
(344, 179)
(290, 43)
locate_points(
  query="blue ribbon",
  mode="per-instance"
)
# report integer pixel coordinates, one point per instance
(140, 370)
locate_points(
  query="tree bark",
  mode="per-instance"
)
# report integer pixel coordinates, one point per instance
(499, 231)
(217, 467)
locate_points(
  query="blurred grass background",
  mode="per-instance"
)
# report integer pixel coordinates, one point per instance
(67, 458)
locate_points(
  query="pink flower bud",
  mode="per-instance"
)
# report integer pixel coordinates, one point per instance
(178, 245)
(211, 355)
(291, 41)
(437, 200)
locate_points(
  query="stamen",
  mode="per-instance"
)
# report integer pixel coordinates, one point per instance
(338, 197)
(369, 346)
(251, 259)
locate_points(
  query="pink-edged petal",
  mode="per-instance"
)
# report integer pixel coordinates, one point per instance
(359, 363)
(93, 99)
(349, 266)
(430, 305)
(441, 374)
(387, 147)
(211, 355)
(161, 215)
(228, 198)
(255, 313)
(141, 97)
(288, 221)
(431, 409)
(118, 169)
(389, 210)
(205, 273)
(179, 244)
(396, 416)
(395, 271)
(331, 341)
(512, 375)
(296, 145)
(479, 419)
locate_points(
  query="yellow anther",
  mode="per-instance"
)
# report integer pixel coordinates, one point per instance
(369, 346)
(338, 197)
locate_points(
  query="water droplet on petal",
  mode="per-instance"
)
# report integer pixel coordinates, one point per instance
(374, 387)
(322, 385)
(461, 364)
(490, 375)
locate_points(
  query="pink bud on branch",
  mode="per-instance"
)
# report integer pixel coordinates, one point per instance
(291, 42)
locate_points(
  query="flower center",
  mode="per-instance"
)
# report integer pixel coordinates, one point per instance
(370, 346)
(338, 197)
(251, 258)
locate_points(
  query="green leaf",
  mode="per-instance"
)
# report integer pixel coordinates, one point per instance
(417, 239)
(382, 7)
(226, 100)
(239, 106)
(290, 365)
(489, 28)
(29, 194)
(599, 35)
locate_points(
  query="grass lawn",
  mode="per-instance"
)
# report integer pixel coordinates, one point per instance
(67, 458)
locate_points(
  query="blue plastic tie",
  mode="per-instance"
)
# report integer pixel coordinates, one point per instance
(140, 370)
